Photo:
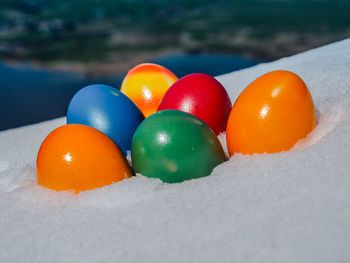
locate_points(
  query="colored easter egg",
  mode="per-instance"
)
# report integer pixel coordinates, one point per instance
(78, 157)
(202, 96)
(175, 146)
(108, 110)
(273, 113)
(146, 85)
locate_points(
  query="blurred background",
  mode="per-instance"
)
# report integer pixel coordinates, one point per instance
(49, 49)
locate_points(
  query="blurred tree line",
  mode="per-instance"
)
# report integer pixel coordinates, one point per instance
(87, 30)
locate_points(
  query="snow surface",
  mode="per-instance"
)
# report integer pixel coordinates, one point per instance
(287, 207)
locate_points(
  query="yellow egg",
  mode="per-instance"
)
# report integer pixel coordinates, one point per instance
(146, 85)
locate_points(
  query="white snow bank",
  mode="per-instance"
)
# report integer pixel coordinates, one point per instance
(286, 207)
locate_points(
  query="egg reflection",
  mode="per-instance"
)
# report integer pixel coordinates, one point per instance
(264, 111)
(68, 157)
(163, 138)
(147, 94)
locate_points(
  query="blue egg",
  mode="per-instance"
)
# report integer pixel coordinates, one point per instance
(108, 110)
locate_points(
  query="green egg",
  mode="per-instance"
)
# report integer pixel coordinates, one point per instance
(175, 146)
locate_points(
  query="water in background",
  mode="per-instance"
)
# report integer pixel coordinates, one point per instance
(30, 95)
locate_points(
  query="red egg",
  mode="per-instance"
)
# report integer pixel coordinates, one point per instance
(202, 96)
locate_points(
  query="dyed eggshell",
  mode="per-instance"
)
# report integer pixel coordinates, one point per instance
(146, 85)
(202, 96)
(108, 110)
(175, 146)
(77, 157)
(273, 113)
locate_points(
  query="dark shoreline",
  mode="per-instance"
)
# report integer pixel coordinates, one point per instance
(32, 94)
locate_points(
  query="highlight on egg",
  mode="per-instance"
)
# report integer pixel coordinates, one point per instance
(272, 114)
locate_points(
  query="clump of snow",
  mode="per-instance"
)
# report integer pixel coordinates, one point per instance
(285, 207)
(330, 114)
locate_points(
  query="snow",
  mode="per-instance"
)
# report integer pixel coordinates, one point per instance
(285, 207)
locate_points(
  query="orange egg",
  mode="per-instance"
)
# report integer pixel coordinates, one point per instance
(146, 85)
(78, 157)
(270, 115)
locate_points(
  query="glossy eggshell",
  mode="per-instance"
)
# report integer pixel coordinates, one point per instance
(77, 157)
(175, 146)
(273, 113)
(146, 85)
(108, 110)
(202, 96)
